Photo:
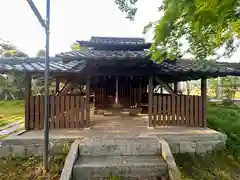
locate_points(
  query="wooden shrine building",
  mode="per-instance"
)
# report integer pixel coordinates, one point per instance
(115, 73)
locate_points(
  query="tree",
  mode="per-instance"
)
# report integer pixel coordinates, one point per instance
(75, 46)
(11, 84)
(230, 86)
(41, 53)
(206, 25)
(9, 50)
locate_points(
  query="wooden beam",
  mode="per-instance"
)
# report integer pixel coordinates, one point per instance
(150, 101)
(204, 100)
(28, 92)
(62, 90)
(87, 124)
(166, 86)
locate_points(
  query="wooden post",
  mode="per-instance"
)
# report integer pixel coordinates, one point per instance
(28, 90)
(140, 91)
(176, 87)
(219, 88)
(204, 100)
(57, 84)
(150, 101)
(116, 95)
(87, 103)
(130, 90)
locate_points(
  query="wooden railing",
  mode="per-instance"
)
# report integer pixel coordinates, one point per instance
(64, 112)
(178, 110)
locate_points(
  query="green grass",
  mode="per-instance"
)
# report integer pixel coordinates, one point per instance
(223, 165)
(216, 166)
(209, 93)
(226, 119)
(11, 111)
(30, 168)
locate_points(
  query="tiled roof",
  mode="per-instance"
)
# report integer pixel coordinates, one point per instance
(38, 65)
(184, 66)
(180, 69)
(119, 40)
(116, 43)
(88, 54)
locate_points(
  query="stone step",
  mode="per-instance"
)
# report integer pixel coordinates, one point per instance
(88, 167)
(116, 113)
(112, 146)
(106, 113)
(133, 111)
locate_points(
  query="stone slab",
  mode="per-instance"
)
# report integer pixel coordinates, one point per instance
(18, 151)
(70, 160)
(11, 129)
(5, 151)
(204, 147)
(100, 146)
(19, 140)
(11, 124)
(187, 147)
(173, 171)
(175, 147)
(125, 166)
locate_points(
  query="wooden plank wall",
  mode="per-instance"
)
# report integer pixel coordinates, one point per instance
(64, 112)
(181, 110)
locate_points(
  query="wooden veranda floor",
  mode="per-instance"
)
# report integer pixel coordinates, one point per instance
(123, 126)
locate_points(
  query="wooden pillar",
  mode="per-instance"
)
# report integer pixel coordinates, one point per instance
(176, 87)
(57, 84)
(116, 92)
(204, 100)
(130, 90)
(87, 124)
(150, 101)
(219, 88)
(28, 90)
(140, 90)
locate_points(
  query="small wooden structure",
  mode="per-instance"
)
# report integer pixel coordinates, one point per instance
(115, 73)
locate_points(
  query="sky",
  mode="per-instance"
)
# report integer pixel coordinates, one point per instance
(73, 20)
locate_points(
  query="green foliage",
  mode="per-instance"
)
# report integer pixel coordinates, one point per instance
(205, 25)
(226, 119)
(230, 86)
(223, 165)
(11, 111)
(114, 178)
(41, 53)
(30, 168)
(75, 46)
(9, 50)
(215, 166)
(127, 6)
(11, 84)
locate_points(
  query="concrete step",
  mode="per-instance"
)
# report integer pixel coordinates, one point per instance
(112, 146)
(107, 113)
(88, 167)
(116, 113)
(133, 111)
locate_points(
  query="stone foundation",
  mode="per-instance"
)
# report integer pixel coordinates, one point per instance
(32, 147)
(180, 140)
(198, 145)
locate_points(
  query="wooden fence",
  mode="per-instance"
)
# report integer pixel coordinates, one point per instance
(178, 110)
(64, 112)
